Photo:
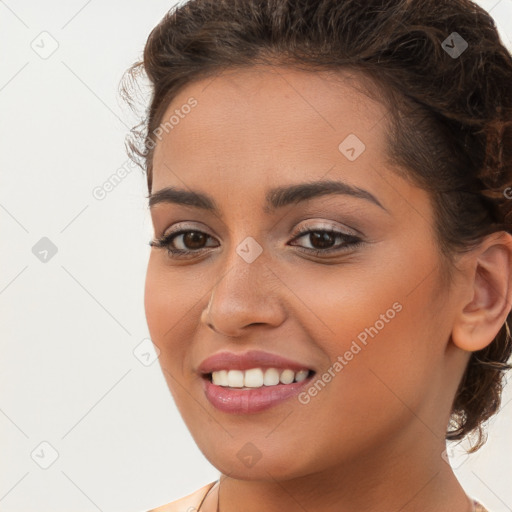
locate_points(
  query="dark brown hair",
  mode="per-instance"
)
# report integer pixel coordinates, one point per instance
(450, 115)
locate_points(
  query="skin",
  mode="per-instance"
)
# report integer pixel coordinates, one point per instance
(373, 438)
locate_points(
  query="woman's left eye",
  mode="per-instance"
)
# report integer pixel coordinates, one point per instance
(323, 237)
(320, 239)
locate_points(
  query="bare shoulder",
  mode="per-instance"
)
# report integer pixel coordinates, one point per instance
(188, 503)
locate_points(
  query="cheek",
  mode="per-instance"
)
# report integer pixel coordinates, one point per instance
(374, 387)
(166, 313)
(156, 302)
(379, 329)
(168, 299)
(166, 308)
(173, 303)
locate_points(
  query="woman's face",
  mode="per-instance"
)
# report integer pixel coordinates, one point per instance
(369, 313)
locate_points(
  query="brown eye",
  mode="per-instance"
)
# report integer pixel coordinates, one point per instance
(194, 239)
(321, 239)
(183, 242)
(186, 241)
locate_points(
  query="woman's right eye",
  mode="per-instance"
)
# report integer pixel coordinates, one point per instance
(190, 237)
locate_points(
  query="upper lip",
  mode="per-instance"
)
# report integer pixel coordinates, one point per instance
(247, 360)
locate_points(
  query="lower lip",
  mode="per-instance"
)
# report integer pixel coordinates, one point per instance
(247, 401)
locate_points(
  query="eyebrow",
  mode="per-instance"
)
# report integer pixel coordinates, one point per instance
(276, 198)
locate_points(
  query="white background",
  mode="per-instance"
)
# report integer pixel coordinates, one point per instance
(68, 327)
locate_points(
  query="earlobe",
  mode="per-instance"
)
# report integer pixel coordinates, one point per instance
(489, 278)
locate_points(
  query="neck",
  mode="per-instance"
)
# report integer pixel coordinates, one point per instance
(416, 479)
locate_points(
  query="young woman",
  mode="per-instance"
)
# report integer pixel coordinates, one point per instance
(329, 284)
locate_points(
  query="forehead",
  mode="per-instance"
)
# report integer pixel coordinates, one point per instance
(263, 121)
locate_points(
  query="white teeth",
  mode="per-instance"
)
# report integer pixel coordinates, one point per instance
(235, 379)
(257, 377)
(220, 378)
(271, 377)
(253, 378)
(301, 375)
(287, 377)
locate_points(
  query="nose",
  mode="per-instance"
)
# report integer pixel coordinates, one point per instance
(246, 294)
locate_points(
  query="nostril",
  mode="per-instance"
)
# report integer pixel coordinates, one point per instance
(212, 327)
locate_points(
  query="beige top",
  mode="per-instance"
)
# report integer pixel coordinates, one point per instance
(193, 502)
(190, 503)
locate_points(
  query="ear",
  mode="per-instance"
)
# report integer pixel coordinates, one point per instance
(488, 297)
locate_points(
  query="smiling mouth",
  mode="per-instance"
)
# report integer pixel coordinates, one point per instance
(254, 378)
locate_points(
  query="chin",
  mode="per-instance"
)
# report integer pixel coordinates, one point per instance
(247, 463)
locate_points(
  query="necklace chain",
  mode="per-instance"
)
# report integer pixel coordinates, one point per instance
(206, 495)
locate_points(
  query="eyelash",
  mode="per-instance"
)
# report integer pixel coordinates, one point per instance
(350, 241)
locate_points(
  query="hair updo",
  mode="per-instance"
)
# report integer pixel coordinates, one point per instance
(449, 126)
